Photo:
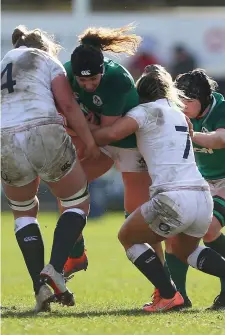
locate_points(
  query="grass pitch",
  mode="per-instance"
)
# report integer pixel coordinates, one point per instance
(109, 295)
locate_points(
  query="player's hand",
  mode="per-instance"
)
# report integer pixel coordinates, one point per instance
(190, 126)
(92, 118)
(92, 152)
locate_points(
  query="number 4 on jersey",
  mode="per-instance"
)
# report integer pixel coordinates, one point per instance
(9, 81)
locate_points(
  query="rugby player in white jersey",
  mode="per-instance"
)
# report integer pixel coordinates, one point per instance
(36, 146)
(180, 203)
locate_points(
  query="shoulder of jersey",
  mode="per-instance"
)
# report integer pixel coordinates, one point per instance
(220, 104)
(67, 66)
(219, 97)
(117, 78)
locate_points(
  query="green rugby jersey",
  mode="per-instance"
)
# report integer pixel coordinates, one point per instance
(211, 162)
(115, 95)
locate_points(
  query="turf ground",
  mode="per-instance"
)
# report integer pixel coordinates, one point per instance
(109, 295)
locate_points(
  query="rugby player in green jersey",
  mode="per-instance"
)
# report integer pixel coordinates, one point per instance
(106, 91)
(206, 109)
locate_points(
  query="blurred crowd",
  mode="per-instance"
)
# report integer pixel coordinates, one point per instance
(112, 4)
(182, 60)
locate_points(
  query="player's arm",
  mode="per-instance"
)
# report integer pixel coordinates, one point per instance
(106, 120)
(70, 109)
(212, 140)
(121, 128)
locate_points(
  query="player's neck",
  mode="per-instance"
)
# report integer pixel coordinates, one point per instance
(204, 113)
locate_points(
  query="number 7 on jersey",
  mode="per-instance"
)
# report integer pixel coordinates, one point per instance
(188, 143)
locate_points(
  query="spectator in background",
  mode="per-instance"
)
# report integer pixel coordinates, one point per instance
(183, 61)
(145, 56)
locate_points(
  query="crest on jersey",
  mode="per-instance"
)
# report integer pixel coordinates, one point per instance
(97, 100)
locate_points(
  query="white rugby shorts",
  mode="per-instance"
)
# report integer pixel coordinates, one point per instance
(46, 151)
(182, 211)
(126, 160)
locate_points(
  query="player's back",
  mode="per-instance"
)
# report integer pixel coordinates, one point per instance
(164, 142)
(27, 98)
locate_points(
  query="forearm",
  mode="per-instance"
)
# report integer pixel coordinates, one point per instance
(103, 136)
(72, 133)
(93, 127)
(121, 128)
(79, 125)
(213, 140)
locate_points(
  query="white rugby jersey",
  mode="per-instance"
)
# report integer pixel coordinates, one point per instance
(164, 142)
(27, 99)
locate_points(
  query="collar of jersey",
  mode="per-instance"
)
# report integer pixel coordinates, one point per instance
(206, 116)
(163, 101)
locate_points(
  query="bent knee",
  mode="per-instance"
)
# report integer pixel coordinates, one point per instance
(213, 231)
(122, 235)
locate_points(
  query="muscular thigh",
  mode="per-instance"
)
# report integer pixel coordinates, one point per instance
(135, 176)
(136, 189)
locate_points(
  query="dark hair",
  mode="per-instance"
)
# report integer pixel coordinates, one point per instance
(36, 38)
(198, 85)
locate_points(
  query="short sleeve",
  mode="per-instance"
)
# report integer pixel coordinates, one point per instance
(56, 68)
(220, 117)
(69, 72)
(139, 115)
(119, 88)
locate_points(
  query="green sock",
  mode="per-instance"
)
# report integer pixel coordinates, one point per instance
(219, 246)
(78, 248)
(178, 272)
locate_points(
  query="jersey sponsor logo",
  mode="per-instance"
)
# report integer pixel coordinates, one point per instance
(204, 130)
(97, 100)
(86, 73)
(204, 150)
